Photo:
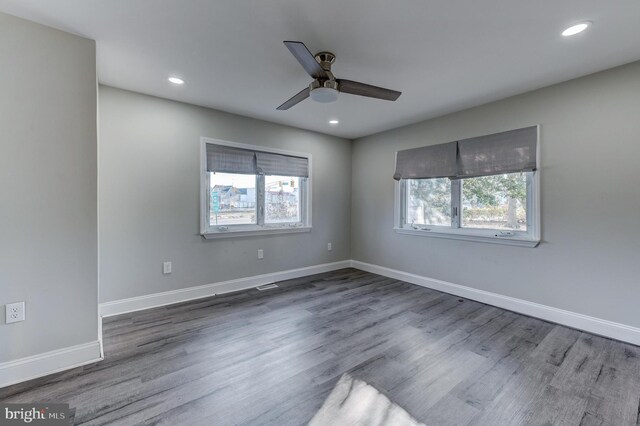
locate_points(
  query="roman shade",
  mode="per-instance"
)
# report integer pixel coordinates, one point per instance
(506, 152)
(435, 161)
(227, 159)
(269, 163)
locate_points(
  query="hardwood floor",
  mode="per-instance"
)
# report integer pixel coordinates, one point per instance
(272, 357)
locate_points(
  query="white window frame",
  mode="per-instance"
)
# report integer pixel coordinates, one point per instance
(260, 228)
(529, 238)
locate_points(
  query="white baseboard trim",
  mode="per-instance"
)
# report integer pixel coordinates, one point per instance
(100, 336)
(587, 323)
(32, 367)
(155, 300)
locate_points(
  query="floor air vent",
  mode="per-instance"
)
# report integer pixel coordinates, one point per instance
(267, 287)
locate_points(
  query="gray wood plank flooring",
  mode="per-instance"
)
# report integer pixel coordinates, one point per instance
(272, 357)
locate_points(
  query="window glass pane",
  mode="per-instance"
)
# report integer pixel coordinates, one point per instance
(429, 201)
(497, 202)
(282, 199)
(233, 199)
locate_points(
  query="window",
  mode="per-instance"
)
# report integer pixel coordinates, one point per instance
(497, 202)
(429, 201)
(489, 192)
(249, 190)
(282, 199)
(233, 199)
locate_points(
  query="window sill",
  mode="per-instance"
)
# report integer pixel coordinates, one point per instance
(254, 232)
(470, 236)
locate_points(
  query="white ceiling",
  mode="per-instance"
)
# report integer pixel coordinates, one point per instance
(444, 55)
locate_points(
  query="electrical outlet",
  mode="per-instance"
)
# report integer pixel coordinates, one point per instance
(329, 247)
(260, 254)
(166, 268)
(14, 312)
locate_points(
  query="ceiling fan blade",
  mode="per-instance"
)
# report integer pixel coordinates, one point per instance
(361, 89)
(299, 97)
(306, 59)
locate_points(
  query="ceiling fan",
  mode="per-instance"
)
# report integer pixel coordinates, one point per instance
(325, 87)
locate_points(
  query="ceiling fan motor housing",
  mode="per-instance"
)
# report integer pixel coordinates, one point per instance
(324, 91)
(325, 59)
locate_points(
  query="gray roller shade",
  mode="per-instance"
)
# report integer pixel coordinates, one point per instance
(507, 152)
(435, 161)
(226, 159)
(281, 165)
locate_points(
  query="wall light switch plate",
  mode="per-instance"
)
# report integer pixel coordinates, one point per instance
(166, 268)
(14, 312)
(260, 254)
(329, 247)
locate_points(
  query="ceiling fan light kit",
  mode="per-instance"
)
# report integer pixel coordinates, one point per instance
(325, 87)
(324, 91)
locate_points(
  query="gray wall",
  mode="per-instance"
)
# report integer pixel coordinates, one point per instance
(149, 197)
(48, 202)
(589, 260)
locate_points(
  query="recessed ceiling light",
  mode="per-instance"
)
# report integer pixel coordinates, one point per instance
(333, 121)
(176, 80)
(576, 29)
